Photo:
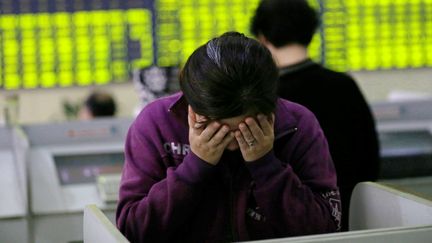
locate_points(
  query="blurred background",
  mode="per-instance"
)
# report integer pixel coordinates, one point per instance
(54, 52)
(58, 56)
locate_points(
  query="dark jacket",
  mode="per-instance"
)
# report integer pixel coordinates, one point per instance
(345, 118)
(168, 194)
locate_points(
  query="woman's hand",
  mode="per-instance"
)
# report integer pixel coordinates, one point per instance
(208, 141)
(255, 137)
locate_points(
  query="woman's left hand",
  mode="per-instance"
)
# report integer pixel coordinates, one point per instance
(255, 137)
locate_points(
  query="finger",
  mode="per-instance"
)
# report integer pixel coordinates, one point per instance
(227, 139)
(240, 140)
(266, 123)
(247, 135)
(220, 135)
(209, 131)
(255, 129)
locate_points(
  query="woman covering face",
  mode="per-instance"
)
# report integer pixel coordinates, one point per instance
(225, 159)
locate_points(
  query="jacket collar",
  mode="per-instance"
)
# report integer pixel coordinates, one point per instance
(296, 67)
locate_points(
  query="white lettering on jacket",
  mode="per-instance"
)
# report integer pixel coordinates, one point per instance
(335, 204)
(176, 148)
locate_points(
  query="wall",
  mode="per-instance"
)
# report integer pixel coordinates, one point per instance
(378, 85)
(45, 105)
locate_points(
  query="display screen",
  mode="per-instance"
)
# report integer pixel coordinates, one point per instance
(353, 35)
(64, 43)
(182, 26)
(78, 169)
(377, 34)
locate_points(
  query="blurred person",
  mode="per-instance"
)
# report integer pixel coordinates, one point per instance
(98, 104)
(225, 159)
(286, 28)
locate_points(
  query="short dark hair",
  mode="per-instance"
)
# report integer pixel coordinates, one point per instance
(284, 22)
(229, 76)
(100, 104)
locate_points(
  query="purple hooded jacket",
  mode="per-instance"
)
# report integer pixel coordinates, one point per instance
(168, 194)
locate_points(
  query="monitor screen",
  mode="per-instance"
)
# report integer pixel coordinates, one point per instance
(84, 168)
(67, 43)
(64, 43)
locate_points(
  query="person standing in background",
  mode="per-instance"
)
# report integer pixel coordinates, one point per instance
(286, 28)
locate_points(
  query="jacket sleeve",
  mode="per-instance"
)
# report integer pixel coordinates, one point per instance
(300, 195)
(155, 200)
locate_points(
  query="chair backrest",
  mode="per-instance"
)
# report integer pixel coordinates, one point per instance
(97, 227)
(375, 205)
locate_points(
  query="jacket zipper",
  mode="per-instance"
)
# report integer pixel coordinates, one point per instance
(289, 131)
(292, 130)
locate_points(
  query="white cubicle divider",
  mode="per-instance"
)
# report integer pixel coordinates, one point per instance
(375, 205)
(380, 214)
(66, 163)
(419, 234)
(14, 225)
(98, 228)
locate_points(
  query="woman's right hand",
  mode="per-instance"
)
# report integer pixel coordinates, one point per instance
(208, 141)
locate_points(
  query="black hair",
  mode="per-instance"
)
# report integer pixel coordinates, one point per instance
(229, 76)
(284, 22)
(100, 104)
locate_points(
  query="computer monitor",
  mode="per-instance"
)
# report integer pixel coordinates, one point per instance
(84, 168)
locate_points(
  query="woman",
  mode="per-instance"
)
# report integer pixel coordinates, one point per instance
(225, 160)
